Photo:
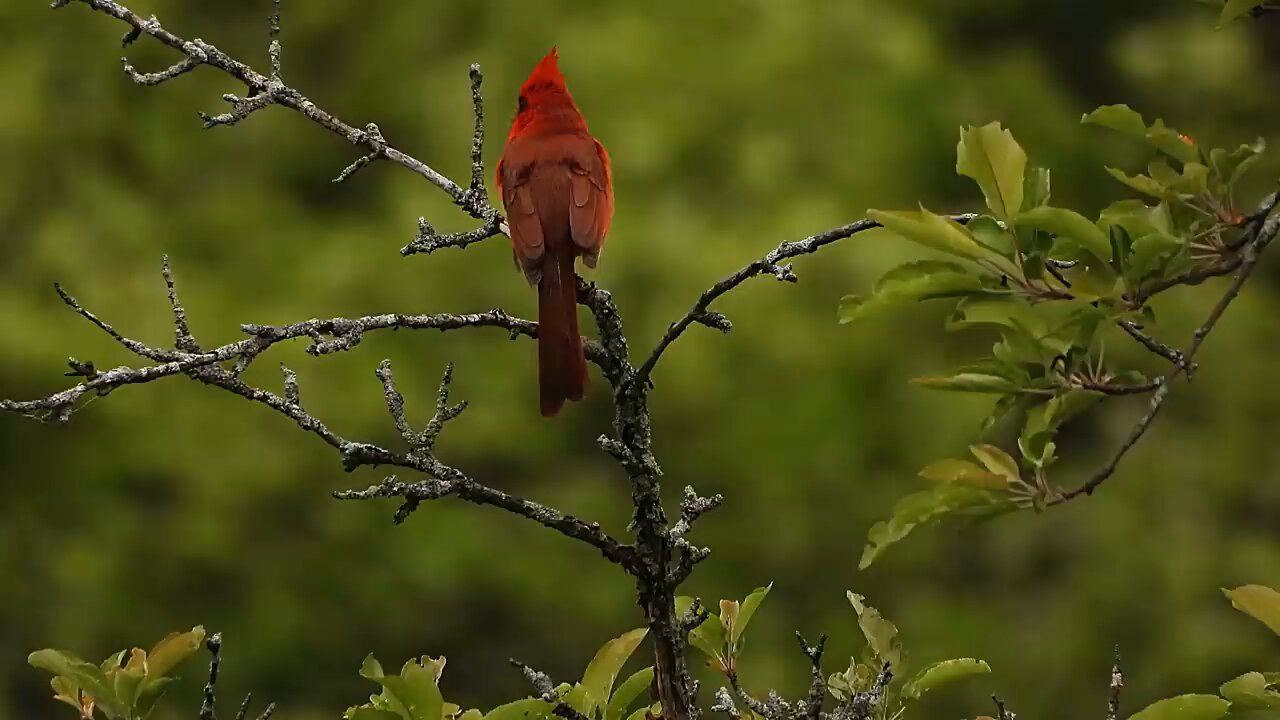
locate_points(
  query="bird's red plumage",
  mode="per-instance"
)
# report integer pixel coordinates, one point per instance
(557, 191)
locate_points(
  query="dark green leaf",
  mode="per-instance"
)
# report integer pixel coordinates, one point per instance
(1141, 183)
(1036, 189)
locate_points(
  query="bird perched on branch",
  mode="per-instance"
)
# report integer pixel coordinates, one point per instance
(558, 195)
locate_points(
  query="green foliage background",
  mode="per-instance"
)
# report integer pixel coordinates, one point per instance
(733, 125)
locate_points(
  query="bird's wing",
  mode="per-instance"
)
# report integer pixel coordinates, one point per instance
(591, 196)
(522, 215)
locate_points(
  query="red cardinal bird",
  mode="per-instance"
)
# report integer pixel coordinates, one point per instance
(558, 194)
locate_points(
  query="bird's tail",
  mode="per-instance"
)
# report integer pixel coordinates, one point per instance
(562, 369)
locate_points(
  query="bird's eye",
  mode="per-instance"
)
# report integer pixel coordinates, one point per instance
(522, 104)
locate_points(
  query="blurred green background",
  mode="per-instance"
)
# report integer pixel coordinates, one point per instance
(733, 125)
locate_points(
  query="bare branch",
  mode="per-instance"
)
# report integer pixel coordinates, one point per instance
(546, 690)
(1174, 356)
(265, 90)
(818, 684)
(771, 264)
(214, 645)
(1117, 683)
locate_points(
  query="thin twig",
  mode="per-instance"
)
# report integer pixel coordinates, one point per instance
(543, 685)
(210, 699)
(771, 264)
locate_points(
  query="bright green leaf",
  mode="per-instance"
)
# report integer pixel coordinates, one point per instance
(172, 650)
(1251, 690)
(991, 156)
(1067, 224)
(968, 382)
(997, 461)
(749, 606)
(368, 712)
(933, 231)
(603, 669)
(881, 635)
(1120, 118)
(89, 677)
(1141, 183)
(627, 693)
(1230, 166)
(941, 673)
(963, 472)
(924, 508)
(1236, 9)
(1184, 707)
(912, 282)
(526, 709)
(1259, 602)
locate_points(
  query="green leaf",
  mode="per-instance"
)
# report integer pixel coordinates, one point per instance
(152, 690)
(603, 669)
(943, 672)
(654, 710)
(1150, 254)
(1236, 9)
(126, 682)
(924, 508)
(1070, 225)
(968, 382)
(933, 231)
(172, 650)
(627, 693)
(1184, 707)
(991, 156)
(881, 635)
(749, 606)
(709, 636)
(1120, 118)
(368, 712)
(1259, 602)
(65, 690)
(963, 472)
(997, 461)
(923, 280)
(1141, 183)
(1230, 166)
(1251, 690)
(421, 691)
(89, 677)
(991, 234)
(1043, 421)
(526, 709)
(1172, 143)
(1036, 190)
